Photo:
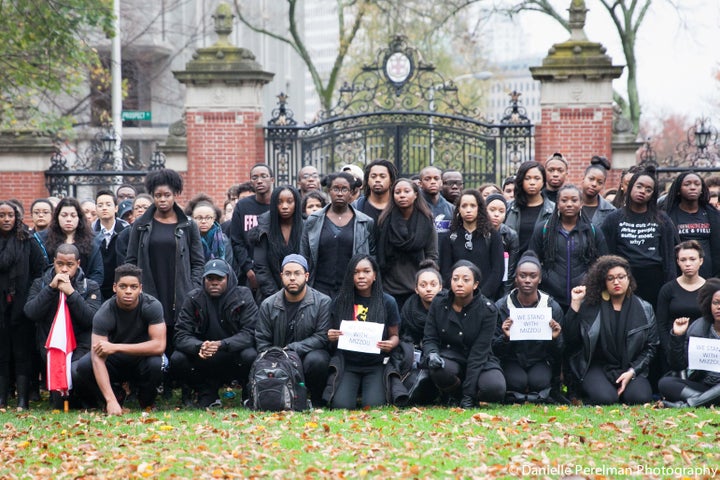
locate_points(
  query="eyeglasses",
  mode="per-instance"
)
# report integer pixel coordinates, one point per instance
(342, 190)
(619, 277)
(468, 241)
(204, 219)
(262, 176)
(307, 176)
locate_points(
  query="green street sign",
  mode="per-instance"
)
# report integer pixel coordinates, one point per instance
(136, 115)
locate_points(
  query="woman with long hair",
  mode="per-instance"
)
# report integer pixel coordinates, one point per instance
(687, 205)
(678, 298)
(332, 235)
(21, 261)
(595, 207)
(473, 238)
(566, 244)
(69, 225)
(207, 216)
(699, 387)
(278, 234)
(644, 235)
(406, 236)
(610, 336)
(457, 342)
(361, 298)
(496, 206)
(428, 283)
(530, 207)
(621, 192)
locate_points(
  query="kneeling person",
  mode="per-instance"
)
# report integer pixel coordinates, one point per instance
(215, 334)
(128, 344)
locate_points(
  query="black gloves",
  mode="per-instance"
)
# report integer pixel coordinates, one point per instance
(435, 361)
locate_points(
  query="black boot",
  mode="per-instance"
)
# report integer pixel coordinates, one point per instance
(708, 397)
(22, 383)
(4, 386)
(685, 395)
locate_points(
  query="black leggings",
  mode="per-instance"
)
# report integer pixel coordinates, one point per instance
(490, 385)
(600, 391)
(531, 380)
(670, 387)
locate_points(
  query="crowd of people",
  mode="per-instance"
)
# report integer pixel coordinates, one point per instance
(163, 296)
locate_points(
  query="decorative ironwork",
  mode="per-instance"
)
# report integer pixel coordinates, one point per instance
(95, 167)
(647, 155)
(700, 150)
(401, 109)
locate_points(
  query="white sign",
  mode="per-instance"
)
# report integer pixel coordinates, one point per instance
(531, 323)
(704, 354)
(360, 336)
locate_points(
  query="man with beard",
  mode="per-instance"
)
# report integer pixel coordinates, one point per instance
(452, 182)
(308, 179)
(379, 177)
(215, 334)
(430, 186)
(556, 169)
(298, 318)
(245, 218)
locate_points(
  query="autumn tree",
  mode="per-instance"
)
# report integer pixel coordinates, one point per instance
(45, 51)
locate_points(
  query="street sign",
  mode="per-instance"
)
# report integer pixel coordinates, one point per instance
(136, 115)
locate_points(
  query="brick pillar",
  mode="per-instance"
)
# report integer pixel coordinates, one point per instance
(223, 113)
(576, 99)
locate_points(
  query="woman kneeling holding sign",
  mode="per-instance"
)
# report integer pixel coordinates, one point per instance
(528, 338)
(365, 327)
(697, 349)
(611, 336)
(458, 339)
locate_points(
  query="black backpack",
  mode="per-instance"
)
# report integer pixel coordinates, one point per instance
(277, 381)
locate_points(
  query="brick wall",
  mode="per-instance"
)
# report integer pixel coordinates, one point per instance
(222, 146)
(24, 186)
(576, 132)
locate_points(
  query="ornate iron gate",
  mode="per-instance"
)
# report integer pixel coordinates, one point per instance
(399, 108)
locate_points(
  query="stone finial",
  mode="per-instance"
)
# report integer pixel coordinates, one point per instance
(223, 18)
(578, 13)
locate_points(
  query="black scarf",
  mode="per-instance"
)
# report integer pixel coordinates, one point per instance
(400, 238)
(613, 335)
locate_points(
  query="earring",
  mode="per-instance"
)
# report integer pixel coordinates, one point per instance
(605, 295)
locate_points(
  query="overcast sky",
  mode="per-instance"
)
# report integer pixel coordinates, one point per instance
(677, 53)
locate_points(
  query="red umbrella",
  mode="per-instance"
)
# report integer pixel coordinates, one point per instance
(60, 345)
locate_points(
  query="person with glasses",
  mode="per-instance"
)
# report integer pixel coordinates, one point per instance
(277, 235)
(610, 336)
(406, 236)
(473, 238)
(331, 236)
(41, 211)
(567, 244)
(165, 243)
(244, 219)
(216, 245)
(452, 185)
(298, 318)
(308, 180)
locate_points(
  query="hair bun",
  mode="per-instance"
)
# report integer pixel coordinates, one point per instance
(650, 169)
(600, 162)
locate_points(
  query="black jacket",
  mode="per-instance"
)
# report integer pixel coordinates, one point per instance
(237, 317)
(528, 352)
(27, 266)
(582, 333)
(42, 303)
(267, 268)
(311, 324)
(110, 257)
(468, 341)
(189, 256)
(678, 355)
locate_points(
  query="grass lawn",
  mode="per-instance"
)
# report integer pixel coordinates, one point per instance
(488, 442)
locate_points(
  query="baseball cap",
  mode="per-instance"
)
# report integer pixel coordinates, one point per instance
(295, 258)
(354, 170)
(124, 208)
(217, 267)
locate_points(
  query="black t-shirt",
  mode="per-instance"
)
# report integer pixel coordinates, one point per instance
(696, 226)
(122, 326)
(161, 249)
(360, 314)
(528, 218)
(372, 212)
(291, 309)
(638, 240)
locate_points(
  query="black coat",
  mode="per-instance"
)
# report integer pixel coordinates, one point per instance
(582, 333)
(678, 355)
(84, 302)
(237, 313)
(468, 341)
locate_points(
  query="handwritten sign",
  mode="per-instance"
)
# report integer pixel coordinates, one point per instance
(704, 354)
(360, 336)
(531, 323)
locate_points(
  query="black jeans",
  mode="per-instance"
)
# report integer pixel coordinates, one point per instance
(531, 380)
(221, 368)
(369, 380)
(490, 387)
(600, 391)
(17, 343)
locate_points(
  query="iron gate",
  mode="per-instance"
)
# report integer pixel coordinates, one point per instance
(400, 109)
